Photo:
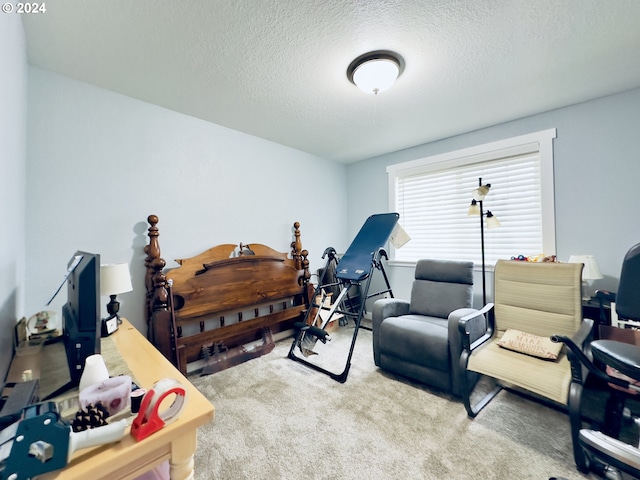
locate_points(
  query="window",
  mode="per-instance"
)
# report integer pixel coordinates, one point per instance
(432, 196)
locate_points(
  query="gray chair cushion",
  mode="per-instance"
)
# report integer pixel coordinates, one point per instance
(440, 287)
(436, 299)
(417, 339)
(451, 271)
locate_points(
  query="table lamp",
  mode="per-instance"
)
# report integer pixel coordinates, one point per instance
(589, 272)
(114, 280)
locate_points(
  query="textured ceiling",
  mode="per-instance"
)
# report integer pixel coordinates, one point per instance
(277, 68)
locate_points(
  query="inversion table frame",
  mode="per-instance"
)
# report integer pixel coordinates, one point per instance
(355, 268)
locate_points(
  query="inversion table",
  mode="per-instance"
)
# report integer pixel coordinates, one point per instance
(355, 268)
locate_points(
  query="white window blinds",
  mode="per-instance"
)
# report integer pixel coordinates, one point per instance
(433, 196)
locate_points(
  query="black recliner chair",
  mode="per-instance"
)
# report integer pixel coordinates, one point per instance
(616, 363)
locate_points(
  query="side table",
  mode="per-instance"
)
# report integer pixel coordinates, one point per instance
(591, 309)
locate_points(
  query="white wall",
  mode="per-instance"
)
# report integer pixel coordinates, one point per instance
(596, 168)
(99, 163)
(13, 113)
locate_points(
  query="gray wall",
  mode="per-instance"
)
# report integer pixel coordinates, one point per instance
(596, 166)
(99, 163)
(13, 113)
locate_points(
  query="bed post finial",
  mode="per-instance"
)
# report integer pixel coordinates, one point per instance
(153, 249)
(296, 246)
(300, 256)
(154, 264)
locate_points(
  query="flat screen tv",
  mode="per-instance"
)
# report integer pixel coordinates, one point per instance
(81, 313)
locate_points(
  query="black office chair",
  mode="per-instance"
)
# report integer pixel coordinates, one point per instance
(627, 299)
(616, 362)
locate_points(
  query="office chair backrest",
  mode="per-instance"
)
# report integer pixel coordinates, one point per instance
(628, 295)
(538, 298)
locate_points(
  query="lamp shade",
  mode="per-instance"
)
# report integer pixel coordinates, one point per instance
(492, 220)
(590, 270)
(481, 192)
(115, 279)
(474, 209)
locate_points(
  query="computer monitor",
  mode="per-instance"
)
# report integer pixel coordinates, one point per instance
(81, 313)
(80, 317)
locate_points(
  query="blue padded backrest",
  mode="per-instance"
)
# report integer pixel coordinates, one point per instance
(355, 265)
(441, 286)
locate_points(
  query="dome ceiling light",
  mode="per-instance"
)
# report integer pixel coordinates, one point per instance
(375, 72)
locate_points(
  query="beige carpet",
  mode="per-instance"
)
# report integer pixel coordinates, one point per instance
(277, 419)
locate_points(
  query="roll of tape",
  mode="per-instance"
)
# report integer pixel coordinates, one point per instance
(136, 399)
(162, 389)
(150, 419)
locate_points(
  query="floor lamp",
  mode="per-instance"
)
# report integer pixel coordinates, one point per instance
(476, 208)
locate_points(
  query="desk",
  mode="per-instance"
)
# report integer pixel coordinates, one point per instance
(176, 442)
(591, 309)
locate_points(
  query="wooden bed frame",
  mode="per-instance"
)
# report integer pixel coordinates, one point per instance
(213, 304)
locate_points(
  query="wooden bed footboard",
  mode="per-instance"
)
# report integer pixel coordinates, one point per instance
(222, 299)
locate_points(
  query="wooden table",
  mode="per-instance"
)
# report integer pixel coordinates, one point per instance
(176, 442)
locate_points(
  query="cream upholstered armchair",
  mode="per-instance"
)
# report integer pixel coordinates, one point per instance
(532, 302)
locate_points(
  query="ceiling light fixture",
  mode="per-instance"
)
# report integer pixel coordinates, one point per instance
(375, 72)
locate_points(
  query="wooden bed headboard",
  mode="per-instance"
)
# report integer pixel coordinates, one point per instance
(223, 298)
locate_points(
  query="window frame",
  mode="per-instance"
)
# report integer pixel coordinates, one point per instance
(542, 141)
